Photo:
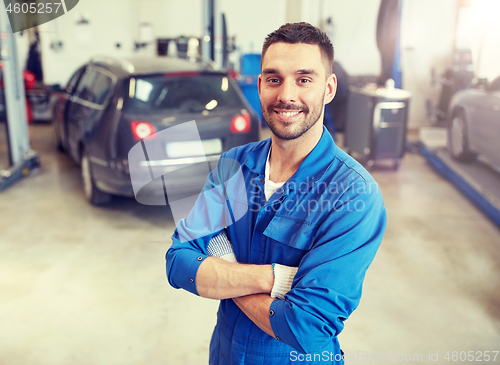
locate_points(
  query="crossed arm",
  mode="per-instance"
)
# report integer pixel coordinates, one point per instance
(248, 285)
(327, 290)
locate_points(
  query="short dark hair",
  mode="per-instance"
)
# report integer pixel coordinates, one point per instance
(301, 33)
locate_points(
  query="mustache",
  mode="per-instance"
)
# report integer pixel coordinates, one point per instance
(286, 106)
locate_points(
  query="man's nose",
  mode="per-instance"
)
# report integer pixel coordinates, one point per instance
(288, 92)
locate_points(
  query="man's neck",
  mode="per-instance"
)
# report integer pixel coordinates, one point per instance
(287, 155)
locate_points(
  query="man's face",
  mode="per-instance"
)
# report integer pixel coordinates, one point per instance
(294, 88)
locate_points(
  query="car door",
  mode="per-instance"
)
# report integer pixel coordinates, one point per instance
(61, 107)
(488, 123)
(78, 109)
(98, 130)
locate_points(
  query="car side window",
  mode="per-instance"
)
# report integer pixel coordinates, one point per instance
(84, 89)
(101, 88)
(70, 87)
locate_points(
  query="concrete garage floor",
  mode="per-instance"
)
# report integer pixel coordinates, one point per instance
(85, 285)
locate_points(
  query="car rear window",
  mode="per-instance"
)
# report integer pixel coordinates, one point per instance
(183, 94)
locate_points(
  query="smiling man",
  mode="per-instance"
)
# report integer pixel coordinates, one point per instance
(293, 97)
(289, 271)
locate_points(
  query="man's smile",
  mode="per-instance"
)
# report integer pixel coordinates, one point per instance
(288, 113)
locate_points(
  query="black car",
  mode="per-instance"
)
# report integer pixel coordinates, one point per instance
(109, 106)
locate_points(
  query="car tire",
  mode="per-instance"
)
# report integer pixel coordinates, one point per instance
(93, 195)
(458, 139)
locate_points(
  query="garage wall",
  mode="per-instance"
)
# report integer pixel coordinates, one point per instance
(112, 22)
(252, 21)
(353, 32)
(481, 32)
(172, 18)
(427, 36)
(117, 21)
(93, 27)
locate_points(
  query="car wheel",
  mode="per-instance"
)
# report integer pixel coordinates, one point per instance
(458, 143)
(91, 192)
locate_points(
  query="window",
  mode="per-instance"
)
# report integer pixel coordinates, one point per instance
(84, 89)
(101, 88)
(182, 94)
(73, 80)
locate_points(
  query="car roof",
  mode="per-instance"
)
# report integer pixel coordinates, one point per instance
(155, 65)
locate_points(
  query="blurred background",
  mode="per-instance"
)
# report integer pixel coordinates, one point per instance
(86, 213)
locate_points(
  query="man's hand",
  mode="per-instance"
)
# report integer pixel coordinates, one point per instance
(220, 246)
(219, 279)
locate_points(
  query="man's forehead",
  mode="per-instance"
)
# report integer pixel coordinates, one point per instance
(302, 57)
(282, 48)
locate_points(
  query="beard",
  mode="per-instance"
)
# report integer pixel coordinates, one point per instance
(311, 118)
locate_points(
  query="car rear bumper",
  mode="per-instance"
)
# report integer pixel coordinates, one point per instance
(151, 181)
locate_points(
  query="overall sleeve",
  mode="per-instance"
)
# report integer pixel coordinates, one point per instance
(215, 208)
(328, 283)
(189, 247)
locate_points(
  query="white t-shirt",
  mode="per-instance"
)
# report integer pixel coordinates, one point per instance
(270, 187)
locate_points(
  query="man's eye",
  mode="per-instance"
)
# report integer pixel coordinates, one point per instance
(304, 81)
(273, 81)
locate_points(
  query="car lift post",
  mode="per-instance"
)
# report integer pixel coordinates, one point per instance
(21, 158)
(212, 32)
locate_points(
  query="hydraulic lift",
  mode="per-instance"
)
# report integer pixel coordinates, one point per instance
(477, 180)
(22, 159)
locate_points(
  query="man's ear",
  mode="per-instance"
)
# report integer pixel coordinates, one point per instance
(331, 88)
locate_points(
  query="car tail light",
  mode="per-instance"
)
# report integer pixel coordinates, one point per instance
(240, 123)
(141, 130)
